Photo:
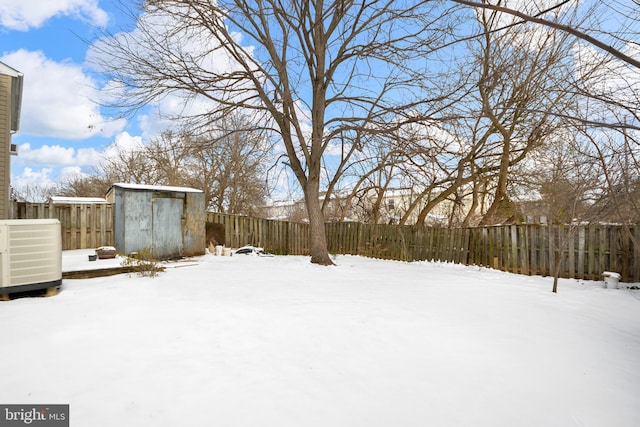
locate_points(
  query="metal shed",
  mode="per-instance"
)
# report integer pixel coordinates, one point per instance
(167, 221)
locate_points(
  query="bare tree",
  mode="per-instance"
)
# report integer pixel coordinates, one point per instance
(604, 80)
(503, 111)
(612, 42)
(34, 193)
(84, 185)
(128, 165)
(520, 82)
(229, 163)
(167, 158)
(605, 38)
(318, 72)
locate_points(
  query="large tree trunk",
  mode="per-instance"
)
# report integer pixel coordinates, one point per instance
(317, 237)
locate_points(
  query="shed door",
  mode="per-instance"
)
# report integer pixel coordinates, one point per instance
(167, 227)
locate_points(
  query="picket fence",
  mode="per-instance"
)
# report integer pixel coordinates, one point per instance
(584, 252)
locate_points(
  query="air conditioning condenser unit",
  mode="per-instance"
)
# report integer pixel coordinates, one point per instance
(30, 255)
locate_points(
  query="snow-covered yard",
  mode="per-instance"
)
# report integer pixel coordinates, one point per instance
(276, 341)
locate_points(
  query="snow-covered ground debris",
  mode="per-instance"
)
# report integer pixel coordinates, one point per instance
(277, 341)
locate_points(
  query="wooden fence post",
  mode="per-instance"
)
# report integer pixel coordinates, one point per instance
(585, 252)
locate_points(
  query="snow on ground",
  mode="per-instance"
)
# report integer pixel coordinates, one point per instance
(276, 341)
(78, 260)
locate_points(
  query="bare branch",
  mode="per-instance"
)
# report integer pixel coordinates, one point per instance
(558, 26)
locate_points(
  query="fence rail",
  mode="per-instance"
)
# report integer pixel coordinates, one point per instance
(584, 252)
(82, 225)
(277, 237)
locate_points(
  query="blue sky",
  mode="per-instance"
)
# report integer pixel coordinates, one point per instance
(62, 130)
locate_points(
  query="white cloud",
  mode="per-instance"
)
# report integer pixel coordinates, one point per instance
(55, 156)
(33, 178)
(46, 166)
(533, 36)
(123, 143)
(71, 172)
(612, 77)
(22, 15)
(70, 158)
(153, 124)
(530, 7)
(59, 99)
(195, 46)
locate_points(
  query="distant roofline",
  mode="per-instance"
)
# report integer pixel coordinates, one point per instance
(9, 71)
(144, 187)
(77, 200)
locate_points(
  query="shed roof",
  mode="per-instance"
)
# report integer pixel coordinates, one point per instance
(143, 187)
(61, 200)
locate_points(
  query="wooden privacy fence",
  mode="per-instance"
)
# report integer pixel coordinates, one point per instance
(277, 237)
(82, 225)
(584, 252)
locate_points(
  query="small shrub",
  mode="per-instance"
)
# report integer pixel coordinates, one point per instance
(143, 263)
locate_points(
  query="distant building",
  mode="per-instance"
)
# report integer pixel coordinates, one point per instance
(285, 210)
(368, 208)
(10, 104)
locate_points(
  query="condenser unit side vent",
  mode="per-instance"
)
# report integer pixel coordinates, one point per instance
(30, 254)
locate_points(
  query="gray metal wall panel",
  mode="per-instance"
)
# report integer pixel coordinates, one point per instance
(169, 223)
(194, 225)
(118, 220)
(138, 221)
(167, 230)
